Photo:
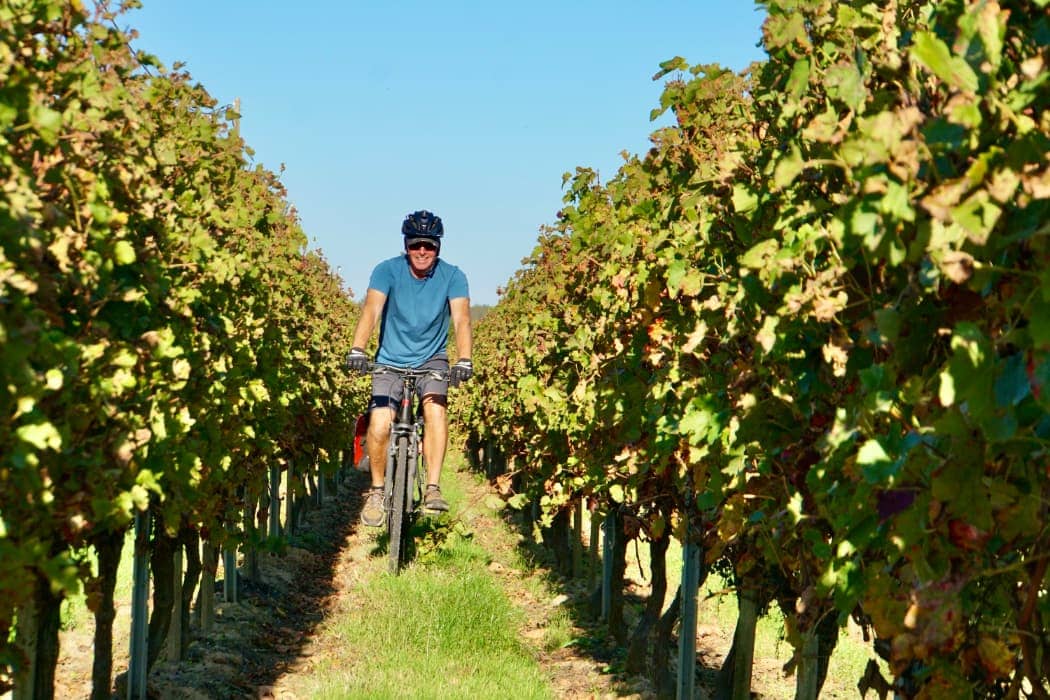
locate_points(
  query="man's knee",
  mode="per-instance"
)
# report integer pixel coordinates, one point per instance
(379, 423)
(435, 405)
(434, 401)
(435, 418)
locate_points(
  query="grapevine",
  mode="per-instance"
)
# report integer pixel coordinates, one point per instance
(167, 336)
(814, 315)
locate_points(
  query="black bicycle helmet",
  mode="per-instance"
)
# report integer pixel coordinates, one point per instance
(422, 224)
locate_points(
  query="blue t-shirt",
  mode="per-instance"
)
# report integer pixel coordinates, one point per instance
(414, 326)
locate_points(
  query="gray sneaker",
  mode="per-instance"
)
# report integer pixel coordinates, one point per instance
(432, 499)
(372, 512)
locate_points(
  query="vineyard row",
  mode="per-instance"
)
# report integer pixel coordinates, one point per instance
(167, 338)
(808, 333)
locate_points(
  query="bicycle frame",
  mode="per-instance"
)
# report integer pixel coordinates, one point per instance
(408, 424)
(405, 478)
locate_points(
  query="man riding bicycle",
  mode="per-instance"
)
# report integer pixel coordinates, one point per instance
(413, 297)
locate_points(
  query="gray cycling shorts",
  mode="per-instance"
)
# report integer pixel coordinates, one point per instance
(387, 387)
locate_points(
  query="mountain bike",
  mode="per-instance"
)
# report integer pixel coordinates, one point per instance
(406, 474)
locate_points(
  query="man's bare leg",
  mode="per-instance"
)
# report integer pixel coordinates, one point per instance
(435, 437)
(373, 510)
(377, 442)
(435, 442)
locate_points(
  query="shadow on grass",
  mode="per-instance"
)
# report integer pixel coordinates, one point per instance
(427, 531)
(266, 634)
(583, 596)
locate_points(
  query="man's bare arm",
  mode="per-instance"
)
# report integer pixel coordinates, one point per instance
(460, 308)
(370, 313)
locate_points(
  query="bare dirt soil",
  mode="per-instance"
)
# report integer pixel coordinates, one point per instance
(262, 644)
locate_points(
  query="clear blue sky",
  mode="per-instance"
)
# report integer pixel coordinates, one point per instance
(473, 110)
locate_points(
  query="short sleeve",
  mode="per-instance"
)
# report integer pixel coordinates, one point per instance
(458, 288)
(382, 279)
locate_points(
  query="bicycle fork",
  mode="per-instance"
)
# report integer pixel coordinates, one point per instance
(413, 466)
(397, 431)
(411, 428)
(416, 461)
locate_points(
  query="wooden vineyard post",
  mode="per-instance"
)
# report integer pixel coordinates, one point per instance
(327, 475)
(595, 543)
(37, 636)
(608, 534)
(139, 643)
(310, 493)
(744, 643)
(251, 551)
(808, 674)
(229, 576)
(577, 539)
(322, 485)
(289, 502)
(206, 605)
(487, 458)
(688, 617)
(175, 629)
(28, 642)
(274, 523)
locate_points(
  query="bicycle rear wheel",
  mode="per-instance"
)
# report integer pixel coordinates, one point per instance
(399, 524)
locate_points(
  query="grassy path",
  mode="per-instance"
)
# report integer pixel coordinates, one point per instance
(469, 618)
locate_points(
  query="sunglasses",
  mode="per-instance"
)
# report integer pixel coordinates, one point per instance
(422, 245)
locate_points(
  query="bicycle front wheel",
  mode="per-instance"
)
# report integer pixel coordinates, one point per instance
(398, 521)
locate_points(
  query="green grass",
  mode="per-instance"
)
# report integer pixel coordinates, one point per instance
(560, 630)
(444, 628)
(75, 613)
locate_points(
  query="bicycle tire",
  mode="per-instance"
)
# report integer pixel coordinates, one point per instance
(398, 523)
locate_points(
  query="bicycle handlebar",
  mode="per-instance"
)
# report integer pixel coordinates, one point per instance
(408, 371)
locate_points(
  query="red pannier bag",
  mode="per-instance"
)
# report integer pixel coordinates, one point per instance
(360, 457)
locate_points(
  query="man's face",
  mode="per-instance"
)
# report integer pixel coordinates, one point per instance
(421, 255)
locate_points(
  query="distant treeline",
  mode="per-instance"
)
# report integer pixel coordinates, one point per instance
(478, 311)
